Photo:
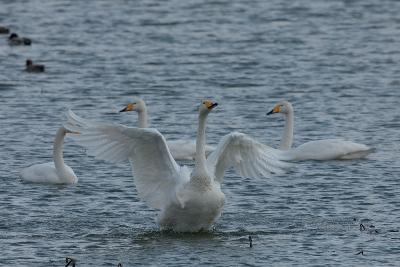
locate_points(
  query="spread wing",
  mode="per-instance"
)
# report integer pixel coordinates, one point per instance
(248, 157)
(156, 174)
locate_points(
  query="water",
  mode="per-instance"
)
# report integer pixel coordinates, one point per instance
(336, 61)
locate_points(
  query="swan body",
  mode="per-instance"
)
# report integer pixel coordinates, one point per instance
(188, 200)
(180, 149)
(56, 172)
(185, 149)
(326, 149)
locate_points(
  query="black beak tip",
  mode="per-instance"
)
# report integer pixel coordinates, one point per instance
(213, 106)
(271, 112)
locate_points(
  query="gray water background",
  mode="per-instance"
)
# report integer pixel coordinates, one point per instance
(336, 61)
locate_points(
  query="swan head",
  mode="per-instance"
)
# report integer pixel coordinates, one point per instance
(68, 131)
(281, 107)
(137, 105)
(206, 106)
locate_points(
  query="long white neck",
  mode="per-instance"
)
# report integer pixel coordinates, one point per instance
(287, 138)
(142, 117)
(200, 173)
(58, 154)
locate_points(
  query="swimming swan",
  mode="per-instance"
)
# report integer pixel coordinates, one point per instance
(180, 149)
(327, 149)
(188, 200)
(56, 172)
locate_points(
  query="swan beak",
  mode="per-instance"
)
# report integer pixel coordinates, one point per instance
(213, 105)
(129, 107)
(72, 132)
(209, 104)
(276, 109)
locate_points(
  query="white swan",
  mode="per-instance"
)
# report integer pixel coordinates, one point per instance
(326, 149)
(56, 172)
(189, 201)
(180, 149)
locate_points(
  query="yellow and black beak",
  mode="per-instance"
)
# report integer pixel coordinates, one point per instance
(69, 132)
(276, 109)
(213, 105)
(129, 107)
(209, 104)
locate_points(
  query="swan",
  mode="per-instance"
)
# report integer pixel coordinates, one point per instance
(187, 200)
(326, 149)
(56, 172)
(180, 149)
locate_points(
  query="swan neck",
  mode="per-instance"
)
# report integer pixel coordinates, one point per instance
(58, 154)
(200, 159)
(200, 173)
(287, 138)
(142, 119)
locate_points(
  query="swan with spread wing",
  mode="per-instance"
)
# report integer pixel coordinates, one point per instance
(188, 200)
(181, 149)
(326, 149)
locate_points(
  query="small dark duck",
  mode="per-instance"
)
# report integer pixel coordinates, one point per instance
(30, 67)
(14, 39)
(4, 30)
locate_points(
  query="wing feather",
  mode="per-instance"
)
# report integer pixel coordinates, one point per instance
(156, 174)
(248, 157)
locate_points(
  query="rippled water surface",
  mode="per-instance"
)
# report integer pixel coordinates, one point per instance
(336, 61)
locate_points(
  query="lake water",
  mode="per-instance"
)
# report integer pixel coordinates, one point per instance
(336, 61)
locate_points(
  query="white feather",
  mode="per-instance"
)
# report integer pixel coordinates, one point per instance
(180, 149)
(248, 157)
(156, 174)
(56, 172)
(185, 149)
(326, 149)
(187, 200)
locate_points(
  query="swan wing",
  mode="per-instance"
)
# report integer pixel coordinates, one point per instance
(249, 157)
(156, 174)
